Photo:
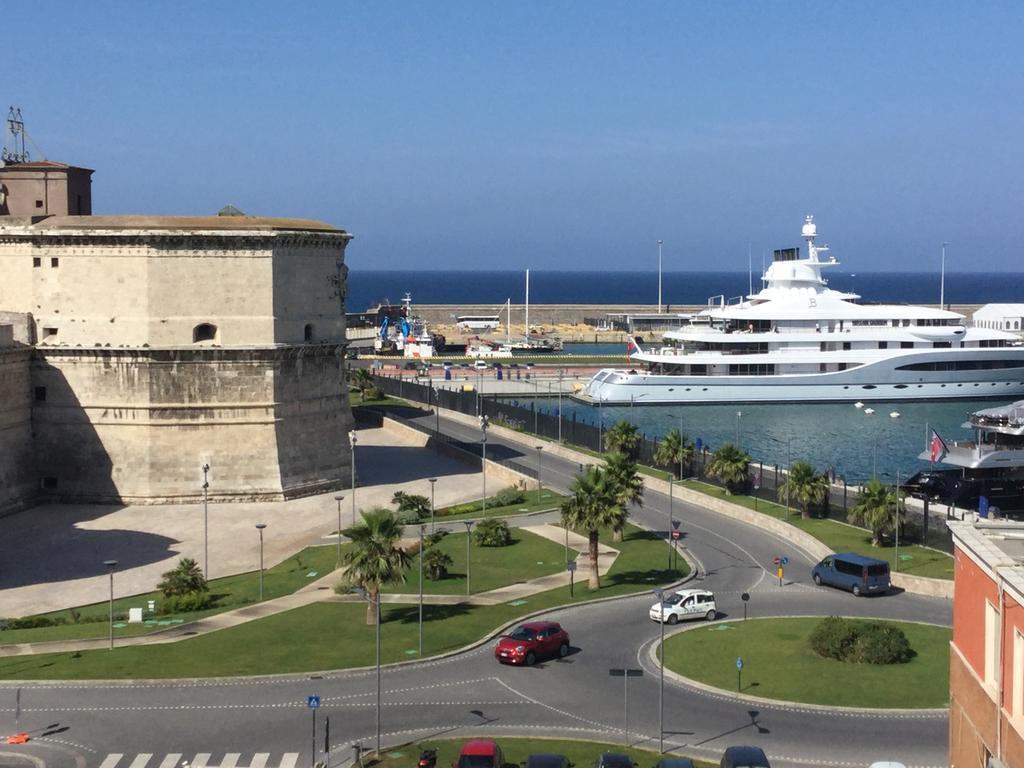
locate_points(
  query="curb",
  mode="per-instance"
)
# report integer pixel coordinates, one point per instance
(652, 657)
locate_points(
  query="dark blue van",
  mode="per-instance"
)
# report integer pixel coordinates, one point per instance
(861, 575)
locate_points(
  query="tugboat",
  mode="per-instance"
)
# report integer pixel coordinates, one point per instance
(401, 333)
(990, 468)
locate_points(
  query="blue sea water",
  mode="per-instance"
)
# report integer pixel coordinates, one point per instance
(368, 287)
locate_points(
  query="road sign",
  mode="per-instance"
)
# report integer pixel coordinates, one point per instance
(698, 444)
(675, 523)
(739, 662)
(784, 561)
(676, 535)
(626, 672)
(777, 560)
(745, 597)
(312, 702)
(571, 565)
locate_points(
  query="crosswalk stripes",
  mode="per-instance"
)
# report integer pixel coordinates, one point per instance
(200, 760)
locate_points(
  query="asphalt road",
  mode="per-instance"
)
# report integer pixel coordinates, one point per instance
(266, 722)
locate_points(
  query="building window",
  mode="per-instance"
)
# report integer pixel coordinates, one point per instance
(37, 261)
(307, 332)
(54, 262)
(1017, 700)
(39, 203)
(991, 643)
(49, 333)
(204, 332)
(40, 394)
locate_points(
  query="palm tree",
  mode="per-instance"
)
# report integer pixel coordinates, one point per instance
(623, 437)
(363, 381)
(729, 464)
(627, 485)
(874, 509)
(593, 505)
(374, 559)
(674, 450)
(805, 487)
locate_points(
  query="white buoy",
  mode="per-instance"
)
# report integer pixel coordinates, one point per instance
(869, 410)
(894, 414)
(858, 404)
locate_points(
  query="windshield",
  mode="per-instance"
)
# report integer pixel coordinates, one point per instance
(521, 633)
(476, 761)
(673, 599)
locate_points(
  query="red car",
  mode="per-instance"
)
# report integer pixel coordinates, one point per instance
(529, 642)
(480, 753)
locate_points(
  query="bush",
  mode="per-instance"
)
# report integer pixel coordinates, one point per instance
(197, 601)
(32, 622)
(860, 642)
(492, 533)
(436, 563)
(185, 579)
(432, 539)
(411, 502)
(506, 497)
(408, 517)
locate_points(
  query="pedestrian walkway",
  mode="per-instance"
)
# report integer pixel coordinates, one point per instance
(322, 590)
(198, 760)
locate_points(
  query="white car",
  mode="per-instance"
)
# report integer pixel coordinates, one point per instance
(684, 605)
(480, 365)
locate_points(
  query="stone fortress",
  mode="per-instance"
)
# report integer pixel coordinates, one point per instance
(136, 349)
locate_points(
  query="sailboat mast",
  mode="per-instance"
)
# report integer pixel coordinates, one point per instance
(526, 330)
(508, 320)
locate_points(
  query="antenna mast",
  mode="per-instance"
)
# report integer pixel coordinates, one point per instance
(14, 145)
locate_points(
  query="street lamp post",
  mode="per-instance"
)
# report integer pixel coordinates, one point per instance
(469, 527)
(671, 519)
(539, 484)
(600, 425)
(483, 462)
(433, 482)
(352, 442)
(375, 602)
(561, 373)
(111, 564)
(421, 591)
(896, 560)
(338, 499)
(661, 683)
(660, 243)
(206, 521)
(738, 415)
(260, 527)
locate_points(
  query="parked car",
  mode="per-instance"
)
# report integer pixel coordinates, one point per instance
(674, 762)
(529, 365)
(463, 365)
(447, 364)
(529, 642)
(613, 760)
(544, 760)
(861, 575)
(744, 757)
(410, 366)
(513, 365)
(480, 365)
(684, 605)
(480, 753)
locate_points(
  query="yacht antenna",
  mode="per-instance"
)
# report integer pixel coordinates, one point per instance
(526, 330)
(750, 271)
(942, 279)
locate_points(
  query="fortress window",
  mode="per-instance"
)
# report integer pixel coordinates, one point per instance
(40, 394)
(49, 333)
(36, 261)
(54, 262)
(39, 203)
(307, 332)
(204, 332)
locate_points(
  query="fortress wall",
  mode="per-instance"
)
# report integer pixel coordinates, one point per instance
(18, 485)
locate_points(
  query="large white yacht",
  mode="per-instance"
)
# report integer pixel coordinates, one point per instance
(797, 340)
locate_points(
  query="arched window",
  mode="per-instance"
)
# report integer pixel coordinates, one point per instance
(1016, 325)
(204, 332)
(307, 333)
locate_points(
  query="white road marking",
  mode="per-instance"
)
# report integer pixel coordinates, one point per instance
(170, 760)
(259, 760)
(111, 760)
(140, 760)
(289, 760)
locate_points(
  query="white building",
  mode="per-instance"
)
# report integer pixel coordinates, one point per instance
(1000, 317)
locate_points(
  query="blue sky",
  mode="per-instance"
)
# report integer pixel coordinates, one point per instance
(549, 134)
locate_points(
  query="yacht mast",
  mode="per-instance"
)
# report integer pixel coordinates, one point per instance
(526, 330)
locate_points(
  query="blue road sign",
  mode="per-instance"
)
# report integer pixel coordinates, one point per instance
(313, 702)
(739, 662)
(571, 565)
(784, 561)
(698, 444)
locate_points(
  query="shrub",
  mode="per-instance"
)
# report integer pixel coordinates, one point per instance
(411, 502)
(33, 622)
(432, 539)
(408, 517)
(492, 533)
(197, 601)
(860, 642)
(506, 497)
(185, 579)
(436, 564)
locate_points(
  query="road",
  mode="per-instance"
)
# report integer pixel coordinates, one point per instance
(265, 721)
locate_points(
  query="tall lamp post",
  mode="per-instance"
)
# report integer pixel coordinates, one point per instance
(260, 527)
(660, 243)
(661, 684)
(671, 520)
(206, 521)
(111, 564)
(375, 602)
(680, 416)
(896, 560)
(483, 461)
(539, 484)
(421, 590)
(338, 499)
(561, 373)
(469, 527)
(433, 482)
(739, 414)
(352, 442)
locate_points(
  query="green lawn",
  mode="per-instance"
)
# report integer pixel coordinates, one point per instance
(335, 635)
(778, 663)
(547, 500)
(580, 753)
(230, 592)
(529, 556)
(914, 560)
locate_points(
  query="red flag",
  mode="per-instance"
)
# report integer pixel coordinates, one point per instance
(937, 448)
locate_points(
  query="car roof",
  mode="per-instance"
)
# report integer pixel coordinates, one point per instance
(853, 557)
(535, 625)
(615, 757)
(479, 747)
(746, 756)
(688, 592)
(546, 760)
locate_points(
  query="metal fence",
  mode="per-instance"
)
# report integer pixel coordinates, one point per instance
(546, 421)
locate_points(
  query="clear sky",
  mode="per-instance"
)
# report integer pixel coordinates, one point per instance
(549, 134)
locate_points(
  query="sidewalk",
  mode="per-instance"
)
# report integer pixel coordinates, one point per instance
(322, 590)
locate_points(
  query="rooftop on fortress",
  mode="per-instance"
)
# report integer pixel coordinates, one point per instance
(999, 544)
(199, 223)
(35, 165)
